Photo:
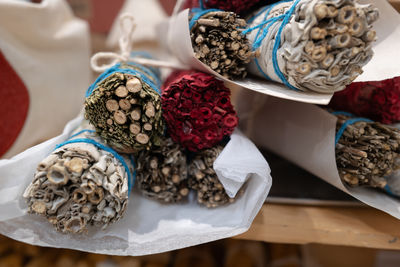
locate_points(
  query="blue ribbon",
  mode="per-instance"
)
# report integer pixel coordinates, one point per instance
(348, 122)
(389, 191)
(202, 4)
(265, 26)
(131, 178)
(142, 74)
(198, 13)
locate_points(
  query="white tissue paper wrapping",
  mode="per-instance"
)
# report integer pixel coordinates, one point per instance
(385, 62)
(175, 35)
(148, 227)
(305, 135)
(48, 47)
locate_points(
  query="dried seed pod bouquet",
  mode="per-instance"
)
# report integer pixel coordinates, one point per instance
(218, 42)
(81, 183)
(366, 151)
(204, 180)
(124, 105)
(197, 109)
(318, 45)
(162, 172)
(377, 100)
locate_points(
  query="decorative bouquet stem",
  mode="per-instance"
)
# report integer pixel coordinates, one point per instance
(162, 172)
(318, 45)
(124, 105)
(366, 151)
(218, 42)
(81, 183)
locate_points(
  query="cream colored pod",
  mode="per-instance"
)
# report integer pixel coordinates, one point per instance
(317, 45)
(44, 59)
(81, 183)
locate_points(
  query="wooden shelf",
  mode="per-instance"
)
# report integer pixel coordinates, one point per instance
(395, 4)
(347, 226)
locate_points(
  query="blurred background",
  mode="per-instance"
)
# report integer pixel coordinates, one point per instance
(231, 252)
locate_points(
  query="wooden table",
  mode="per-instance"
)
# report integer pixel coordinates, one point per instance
(347, 226)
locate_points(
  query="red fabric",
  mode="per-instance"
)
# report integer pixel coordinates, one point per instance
(14, 105)
(379, 101)
(197, 109)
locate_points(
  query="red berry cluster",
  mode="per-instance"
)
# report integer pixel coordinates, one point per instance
(197, 109)
(236, 6)
(378, 100)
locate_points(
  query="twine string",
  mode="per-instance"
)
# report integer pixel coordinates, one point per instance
(265, 25)
(348, 122)
(127, 25)
(198, 13)
(118, 69)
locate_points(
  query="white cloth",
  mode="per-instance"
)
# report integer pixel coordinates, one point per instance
(148, 226)
(49, 49)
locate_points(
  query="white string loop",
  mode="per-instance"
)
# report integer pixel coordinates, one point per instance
(104, 60)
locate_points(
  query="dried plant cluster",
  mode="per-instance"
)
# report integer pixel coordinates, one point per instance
(218, 42)
(162, 172)
(323, 47)
(204, 180)
(126, 112)
(367, 152)
(79, 185)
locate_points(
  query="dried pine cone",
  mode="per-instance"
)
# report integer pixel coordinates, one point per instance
(162, 172)
(204, 180)
(366, 152)
(217, 42)
(79, 185)
(124, 105)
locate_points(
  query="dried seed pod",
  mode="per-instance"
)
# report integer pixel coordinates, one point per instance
(333, 37)
(204, 180)
(80, 184)
(197, 109)
(120, 102)
(366, 152)
(376, 100)
(162, 172)
(217, 42)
